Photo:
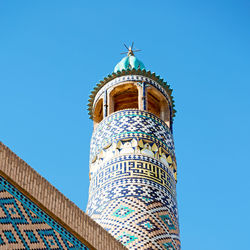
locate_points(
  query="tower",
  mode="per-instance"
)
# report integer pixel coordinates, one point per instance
(132, 191)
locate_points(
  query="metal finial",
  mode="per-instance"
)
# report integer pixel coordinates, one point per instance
(130, 51)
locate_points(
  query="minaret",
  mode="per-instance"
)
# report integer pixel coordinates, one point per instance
(132, 191)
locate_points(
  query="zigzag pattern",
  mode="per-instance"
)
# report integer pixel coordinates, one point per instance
(25, 226)
(145, 192)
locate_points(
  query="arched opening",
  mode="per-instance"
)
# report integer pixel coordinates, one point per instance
(98, 112)
(123, 97)
(154, 103)
(158, 105)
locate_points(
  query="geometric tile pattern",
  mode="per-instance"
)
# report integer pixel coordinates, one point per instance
(148, 225)
(126, 238)
(23, 225)
(125, 123)
(133, 169)
(144, 225)
(167, 220)
(168, 246)
(132, 191)
(141, 188)
(122, 212)
(135, 156)
(134, 148)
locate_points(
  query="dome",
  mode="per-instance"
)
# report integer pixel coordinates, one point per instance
(129, 62)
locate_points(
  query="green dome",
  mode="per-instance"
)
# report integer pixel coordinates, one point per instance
(129, 62)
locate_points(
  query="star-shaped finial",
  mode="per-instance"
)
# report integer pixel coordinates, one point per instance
(130, 51)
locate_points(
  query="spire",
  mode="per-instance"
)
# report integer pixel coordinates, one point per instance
(130, 51)
(130, 61)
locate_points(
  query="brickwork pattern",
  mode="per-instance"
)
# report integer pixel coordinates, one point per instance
(25, 226)
(50, 201)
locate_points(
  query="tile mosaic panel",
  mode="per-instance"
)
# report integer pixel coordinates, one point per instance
(145, 226)
(136, 169)
(133, 149)
(129, 124)
(25, 226)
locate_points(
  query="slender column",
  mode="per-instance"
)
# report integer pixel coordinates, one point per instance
(163, 111)
(105, 104)
(140, 95)
(110, 102)
(170, 118)
(144, 96)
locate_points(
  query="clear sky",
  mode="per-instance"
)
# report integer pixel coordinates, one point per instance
(52, 53)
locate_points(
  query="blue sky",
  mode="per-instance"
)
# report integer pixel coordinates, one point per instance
(52, 53)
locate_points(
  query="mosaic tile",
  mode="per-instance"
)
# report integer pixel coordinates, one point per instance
(144, 223)
(130, 122)
(168, 246)
(148, 225)
(122, 212)
(9, 236)
(31, 236)
(167, 220)
(25, 226)
(125, 238)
